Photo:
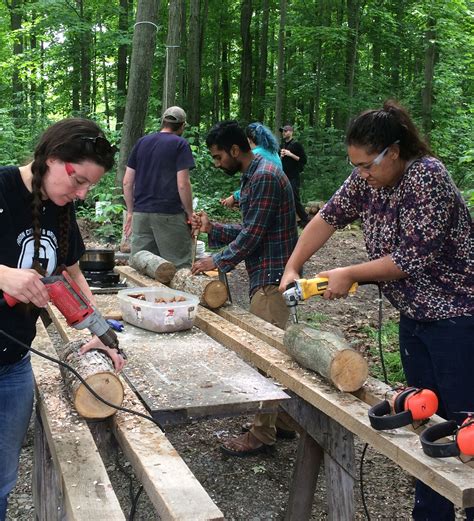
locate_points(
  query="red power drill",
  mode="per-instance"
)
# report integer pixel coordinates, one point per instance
(66, 295)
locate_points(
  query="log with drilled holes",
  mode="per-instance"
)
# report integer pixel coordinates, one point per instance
(152, 265)
(211, 292)
(329, 355)
(97, 370)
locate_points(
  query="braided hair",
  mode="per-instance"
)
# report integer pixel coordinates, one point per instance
(262, 136)
(377, 129)
(70, 140)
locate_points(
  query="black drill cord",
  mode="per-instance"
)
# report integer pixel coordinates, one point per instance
(75, 373)
(384, 370)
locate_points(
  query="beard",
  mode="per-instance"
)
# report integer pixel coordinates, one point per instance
(230, 173)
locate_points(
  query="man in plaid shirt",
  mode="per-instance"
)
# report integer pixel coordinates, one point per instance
(264, 240)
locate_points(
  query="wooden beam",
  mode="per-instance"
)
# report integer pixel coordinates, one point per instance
(78, 482)
(171, 486)
(449, 477)
(305, 476)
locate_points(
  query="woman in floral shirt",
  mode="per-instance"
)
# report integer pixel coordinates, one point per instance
(418, 235)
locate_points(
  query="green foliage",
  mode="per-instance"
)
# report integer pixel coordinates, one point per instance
(314, 319)
(103, 206)
(327, 165)
(41, 78)
(390, 349)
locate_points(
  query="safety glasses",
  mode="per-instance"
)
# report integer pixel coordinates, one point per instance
(79, 182)
(374, 162)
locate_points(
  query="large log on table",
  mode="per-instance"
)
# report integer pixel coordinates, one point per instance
(97, 370)
(152, 265)
(328, 354)
(211, 292)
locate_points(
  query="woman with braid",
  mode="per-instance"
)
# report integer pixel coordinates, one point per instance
(38, 234)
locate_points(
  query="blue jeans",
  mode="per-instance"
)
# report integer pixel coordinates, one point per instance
(16, 404)
(439, 356)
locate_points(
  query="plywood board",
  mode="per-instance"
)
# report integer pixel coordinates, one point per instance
(187, 375)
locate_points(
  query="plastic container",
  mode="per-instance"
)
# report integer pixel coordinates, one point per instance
(159, 317)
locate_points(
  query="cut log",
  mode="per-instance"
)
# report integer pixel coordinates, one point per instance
(313, 207)
(97, 370)
(329, 355)
(211, 292)
(152, 265)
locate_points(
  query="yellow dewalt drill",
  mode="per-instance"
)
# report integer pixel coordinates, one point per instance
(305, 288)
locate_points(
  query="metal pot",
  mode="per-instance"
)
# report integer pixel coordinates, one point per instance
(97, 260)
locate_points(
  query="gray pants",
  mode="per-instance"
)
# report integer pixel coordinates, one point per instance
(166, 235)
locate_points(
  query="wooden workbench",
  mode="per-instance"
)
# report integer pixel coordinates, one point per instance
(330, 418)
(178, 376)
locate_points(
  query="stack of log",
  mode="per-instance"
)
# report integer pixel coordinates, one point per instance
(211, 292)
(313, 207)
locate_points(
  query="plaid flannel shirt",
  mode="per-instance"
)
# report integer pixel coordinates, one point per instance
(267, 235)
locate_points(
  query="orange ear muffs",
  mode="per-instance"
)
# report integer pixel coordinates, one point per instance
(409, 405)
(465, 436)
(422, 403)
(463, 443)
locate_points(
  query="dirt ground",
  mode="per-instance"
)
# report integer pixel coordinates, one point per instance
(256, 488)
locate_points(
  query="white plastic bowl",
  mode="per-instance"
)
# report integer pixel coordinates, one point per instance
(161, 318)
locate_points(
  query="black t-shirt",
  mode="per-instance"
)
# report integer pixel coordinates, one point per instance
(291, 167)
(157, 159)
(16, 251)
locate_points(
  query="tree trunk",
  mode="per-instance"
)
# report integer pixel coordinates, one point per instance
(353, 18)
(225, 80)
(246, 62)
(122, 55)
(280, 80)
(152, 265)
(16, 20)
(173, 43)
(212, 292)
(182, 96)
(85, 41)
(262, 62)
(329, 355)
(193, 65)
(430, 53)
(97, 370)
(106, 90)
(143, 49)
(396, 50)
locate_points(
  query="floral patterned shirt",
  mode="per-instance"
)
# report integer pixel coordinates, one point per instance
(424, 225)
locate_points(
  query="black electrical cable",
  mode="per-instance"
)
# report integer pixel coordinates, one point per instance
(384, 370)
(134, 504)
(379, 336)
(75, 373)
(361, 481)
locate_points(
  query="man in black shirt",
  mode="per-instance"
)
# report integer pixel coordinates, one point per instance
(293, 158)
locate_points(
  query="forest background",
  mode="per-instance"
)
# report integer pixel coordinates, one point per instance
(311, 63)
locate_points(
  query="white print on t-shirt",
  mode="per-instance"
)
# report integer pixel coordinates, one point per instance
(47, 250)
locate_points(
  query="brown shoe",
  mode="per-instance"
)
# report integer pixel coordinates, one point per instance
(281, 434)
(246, 445)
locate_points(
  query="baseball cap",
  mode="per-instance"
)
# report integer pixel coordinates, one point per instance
(174, 115)
(285, 127)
